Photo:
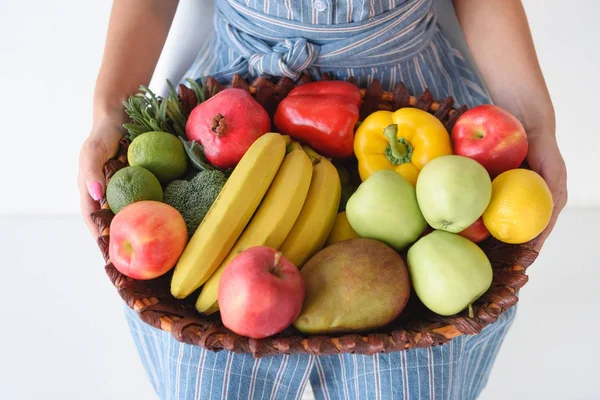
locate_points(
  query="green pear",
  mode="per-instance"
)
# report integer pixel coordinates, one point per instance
(354, 285)
(385, 208)
(448, 272)
(453, 192)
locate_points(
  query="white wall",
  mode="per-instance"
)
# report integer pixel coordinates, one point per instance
(566, 37)
(50, 52)
(49, 55)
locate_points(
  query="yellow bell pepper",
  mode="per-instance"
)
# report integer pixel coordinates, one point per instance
(404, 140)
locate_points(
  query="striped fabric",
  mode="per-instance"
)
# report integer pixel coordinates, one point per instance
(456, 371)
(389, 40)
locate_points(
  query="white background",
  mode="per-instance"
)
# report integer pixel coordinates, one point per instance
(62, 332)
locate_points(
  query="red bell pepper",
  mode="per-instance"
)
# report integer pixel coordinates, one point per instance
(321, 114)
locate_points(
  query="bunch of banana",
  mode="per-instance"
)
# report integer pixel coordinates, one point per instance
(295, 217)
(272, 221)
(284, 198)
(229, 214)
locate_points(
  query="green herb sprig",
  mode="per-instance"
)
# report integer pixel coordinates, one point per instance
(148, 111)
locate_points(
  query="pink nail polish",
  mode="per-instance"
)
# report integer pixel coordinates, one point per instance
(96, 190)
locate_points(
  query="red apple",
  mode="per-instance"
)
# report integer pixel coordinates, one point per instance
(260, 293)
(146, 239)
(477, 232)
(492, 136)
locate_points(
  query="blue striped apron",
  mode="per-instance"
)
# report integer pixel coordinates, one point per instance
(389, 40)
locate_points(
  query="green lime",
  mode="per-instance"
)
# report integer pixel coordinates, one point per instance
(131, 184)
(160, 153)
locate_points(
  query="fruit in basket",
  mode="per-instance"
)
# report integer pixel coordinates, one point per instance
(260, 293)
(354, 285)
(453, 191)
(193, 198)
(492, 136)
(226, 125)
(310, 231)
(272, 221)
(476, 232)
(146, 239)
(323, 115)
(404, 141)
(229, 214)
(384, 207)
(161, 153)
(448, 272)
(341, 230)
(131, 184)
(521, 206)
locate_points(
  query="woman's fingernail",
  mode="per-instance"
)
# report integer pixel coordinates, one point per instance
(96, 190)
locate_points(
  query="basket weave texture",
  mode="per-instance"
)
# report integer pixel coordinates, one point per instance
(416, 327)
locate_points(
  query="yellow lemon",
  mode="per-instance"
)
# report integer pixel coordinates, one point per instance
(520, 208)
(341, 230)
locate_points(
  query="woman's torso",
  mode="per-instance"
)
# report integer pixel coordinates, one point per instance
(392, 41)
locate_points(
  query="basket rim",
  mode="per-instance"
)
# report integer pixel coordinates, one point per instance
(206, 331)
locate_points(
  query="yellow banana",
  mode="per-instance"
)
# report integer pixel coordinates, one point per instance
(272, 221)
(318, 213)
(229, 214)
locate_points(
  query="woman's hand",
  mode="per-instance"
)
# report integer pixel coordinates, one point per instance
(100, 146)
(498, 36)
(130, 55)
(544, 158)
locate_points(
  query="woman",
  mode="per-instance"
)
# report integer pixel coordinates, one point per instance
(392, 41)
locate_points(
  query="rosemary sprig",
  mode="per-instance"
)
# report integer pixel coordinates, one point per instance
(145, 112)
(148, 111)
(174, 112)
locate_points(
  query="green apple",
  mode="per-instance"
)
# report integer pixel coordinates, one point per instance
(453, 192)
(448, 272)
(385, 208)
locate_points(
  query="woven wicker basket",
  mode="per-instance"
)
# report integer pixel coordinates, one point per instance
(416, 326)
